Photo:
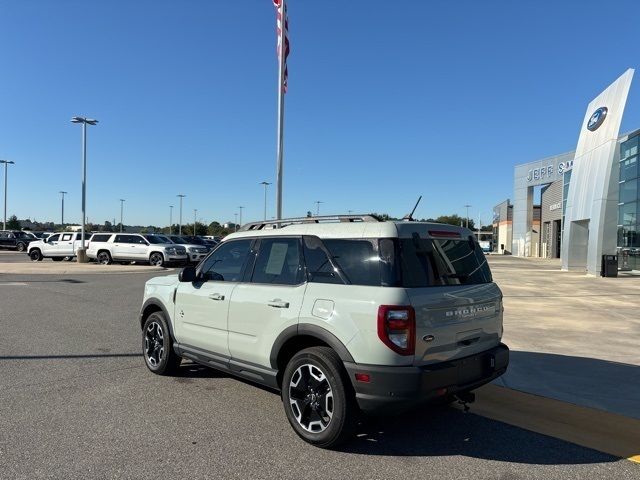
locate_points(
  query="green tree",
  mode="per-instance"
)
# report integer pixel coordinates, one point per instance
(13, 223)
(456, 220)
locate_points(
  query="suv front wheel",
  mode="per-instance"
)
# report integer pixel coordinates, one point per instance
(156, 259)
(318, 399)
(157, 346)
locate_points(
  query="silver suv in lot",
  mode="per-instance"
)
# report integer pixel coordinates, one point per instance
(356, 316)
(109, 247)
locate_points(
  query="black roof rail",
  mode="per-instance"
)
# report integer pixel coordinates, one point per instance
(269, 224)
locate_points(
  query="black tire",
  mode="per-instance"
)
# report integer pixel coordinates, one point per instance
(57, 259)
(317, 419)
(104, 258)
(35, 255)
(157, 346)
(21, 247)
(156, 259)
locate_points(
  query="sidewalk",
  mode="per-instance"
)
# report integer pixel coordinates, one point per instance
(73, 268)
(573, 338)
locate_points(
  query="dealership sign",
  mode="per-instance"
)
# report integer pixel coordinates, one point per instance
(541, 173)
(597, 119)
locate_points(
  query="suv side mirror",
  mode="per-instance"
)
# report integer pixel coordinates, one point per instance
(187, 274)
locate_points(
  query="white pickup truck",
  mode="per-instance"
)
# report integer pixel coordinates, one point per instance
(57, 247)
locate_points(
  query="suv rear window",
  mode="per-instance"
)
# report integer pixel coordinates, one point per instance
(436, 262)
(100, 238)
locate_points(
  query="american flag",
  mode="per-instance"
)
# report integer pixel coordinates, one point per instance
(279, 15)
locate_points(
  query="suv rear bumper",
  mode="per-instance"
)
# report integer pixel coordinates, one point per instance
(393, 389)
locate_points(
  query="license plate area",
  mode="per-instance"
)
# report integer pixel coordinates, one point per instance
(473, 368)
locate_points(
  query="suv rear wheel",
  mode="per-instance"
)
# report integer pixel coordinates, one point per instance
(156, 259)
(104, 258)
(157, 346)
(21, 247)
(35, 255)
(318, 399)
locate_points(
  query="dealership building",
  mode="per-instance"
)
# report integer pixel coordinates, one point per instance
(588, 198)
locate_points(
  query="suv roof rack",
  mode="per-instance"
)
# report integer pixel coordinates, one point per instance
(268, 224)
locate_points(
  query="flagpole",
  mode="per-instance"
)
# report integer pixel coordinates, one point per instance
(280, 145)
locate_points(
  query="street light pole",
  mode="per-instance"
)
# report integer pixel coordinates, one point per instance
(121, 210)
(318, 202)
(82, 254)
(63, 194)
(180, 223)
(6, 162)
(235, 222)
(266, 184)
(467, 207)
(240, 215)
(170, 218)
(195, 220)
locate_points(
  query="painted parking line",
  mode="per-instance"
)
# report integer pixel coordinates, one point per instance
(13, 284)
(606, 432)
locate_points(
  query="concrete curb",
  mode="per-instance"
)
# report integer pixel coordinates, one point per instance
(605, 432)
(67, 268)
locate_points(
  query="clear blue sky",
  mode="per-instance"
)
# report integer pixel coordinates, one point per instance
(387, 101)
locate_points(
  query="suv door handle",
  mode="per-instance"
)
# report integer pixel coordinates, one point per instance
(216, 296)
(277, 303)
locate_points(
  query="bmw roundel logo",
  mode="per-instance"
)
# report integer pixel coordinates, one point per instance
(597, 118)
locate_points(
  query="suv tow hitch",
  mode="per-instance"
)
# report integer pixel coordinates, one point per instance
(464, 399)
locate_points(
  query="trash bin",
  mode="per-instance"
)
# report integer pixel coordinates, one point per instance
(609, 266)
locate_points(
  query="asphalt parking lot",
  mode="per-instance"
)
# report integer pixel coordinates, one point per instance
(77, 401)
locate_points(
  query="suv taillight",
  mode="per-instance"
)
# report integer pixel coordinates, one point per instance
(397, 328)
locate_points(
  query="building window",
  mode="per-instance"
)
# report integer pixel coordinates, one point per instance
(629, 205)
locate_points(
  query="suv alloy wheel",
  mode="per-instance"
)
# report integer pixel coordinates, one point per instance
(157, 346)
(21, 247)
(318, 399)
(104, 258)
(156, 259)
(35, 255)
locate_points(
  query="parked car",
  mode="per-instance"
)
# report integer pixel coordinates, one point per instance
(196, 248)
(15, 240)
(109, 247)
(57, 246)
(342, 318)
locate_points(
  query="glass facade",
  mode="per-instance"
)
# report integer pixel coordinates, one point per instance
(628, 206)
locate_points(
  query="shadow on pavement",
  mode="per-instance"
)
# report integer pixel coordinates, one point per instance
(589, 382)
(52, 357)
(442, 431)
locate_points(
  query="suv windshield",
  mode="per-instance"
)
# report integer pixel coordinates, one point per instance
(154, 239)
(21, 235)
(179, 240)
(435, 262)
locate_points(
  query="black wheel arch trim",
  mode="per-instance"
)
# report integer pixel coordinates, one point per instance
(308, 330)
(157, 303)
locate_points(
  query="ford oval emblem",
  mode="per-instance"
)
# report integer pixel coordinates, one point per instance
(428, 338)
(597, 118)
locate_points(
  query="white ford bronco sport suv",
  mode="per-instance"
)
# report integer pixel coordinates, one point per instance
(346, 317)
(109, 247)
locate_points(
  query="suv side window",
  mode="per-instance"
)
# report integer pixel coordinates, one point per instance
(122, 239)
(279, 262)
(66, 237)
(53, 238)
(227, 262)
(100, 238)
(319, 268)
